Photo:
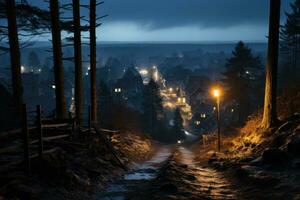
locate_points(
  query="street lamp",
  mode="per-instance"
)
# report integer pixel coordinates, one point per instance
(216, 94)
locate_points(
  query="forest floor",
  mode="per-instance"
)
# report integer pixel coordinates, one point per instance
(77, 169)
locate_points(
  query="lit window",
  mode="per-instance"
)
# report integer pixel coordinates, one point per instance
(118, 90)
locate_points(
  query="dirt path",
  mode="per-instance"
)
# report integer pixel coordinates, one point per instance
(170, 174)
(208, 182)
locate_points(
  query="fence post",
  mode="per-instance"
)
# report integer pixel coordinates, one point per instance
(25, 139)
(90, 118)
(39, 128)
(73, 126)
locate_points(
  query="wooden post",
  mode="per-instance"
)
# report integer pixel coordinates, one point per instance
(73, 126)
(90, 119)
(39, 128)
(25, 139)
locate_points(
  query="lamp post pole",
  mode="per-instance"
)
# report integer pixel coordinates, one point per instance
(218, 123)
(217, 93)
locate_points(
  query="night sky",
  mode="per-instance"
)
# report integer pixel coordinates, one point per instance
(184, 20)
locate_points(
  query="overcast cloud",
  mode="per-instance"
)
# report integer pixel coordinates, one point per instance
(190, 20)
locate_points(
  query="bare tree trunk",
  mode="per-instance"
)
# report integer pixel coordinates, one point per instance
(78, 61)
(270, 112)
(14, 54)
(61, 112)
(93, 47)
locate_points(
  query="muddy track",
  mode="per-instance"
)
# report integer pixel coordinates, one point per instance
(171, 174)
(182, 178)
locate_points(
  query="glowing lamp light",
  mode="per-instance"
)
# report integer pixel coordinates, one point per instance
(53, 86)
(216, 92)
(179, 142)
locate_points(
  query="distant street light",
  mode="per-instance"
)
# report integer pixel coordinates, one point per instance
(217, 94)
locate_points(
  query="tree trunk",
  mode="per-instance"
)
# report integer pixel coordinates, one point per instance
(93, 47)
(78, 61)
(14, 55)
(270, 112)
(57, 61)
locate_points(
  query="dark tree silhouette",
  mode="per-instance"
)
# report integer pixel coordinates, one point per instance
(152, 107)
(270, 112)
(290, 45)
(78, 61)
(57, 60)
(14, 48)
(177, 131)
(93, 61)
(242, 73)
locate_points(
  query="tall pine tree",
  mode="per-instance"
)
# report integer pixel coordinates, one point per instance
(242, 70)
(270, 108)
(177, 131)
(152, 107)
(290, 44)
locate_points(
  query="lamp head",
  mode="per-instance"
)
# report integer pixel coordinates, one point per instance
(216, 92)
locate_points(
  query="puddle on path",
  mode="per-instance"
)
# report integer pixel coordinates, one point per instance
(140, 173)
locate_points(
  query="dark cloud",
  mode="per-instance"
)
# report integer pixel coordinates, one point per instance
(159, 14)
(205, 13)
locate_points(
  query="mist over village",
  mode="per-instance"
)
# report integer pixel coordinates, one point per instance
(149, 100)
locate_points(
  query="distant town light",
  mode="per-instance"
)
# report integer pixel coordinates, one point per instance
(179, 142)
(187, 133)
(39, 70)
(197, 123)
(118, 90)
(53, 86)
(22, 69)
(143, 72)
(247, 72)
(154, 67)
(203, 115)
(232, 110)
(156, 75)
(215, 108)
(171, 89)
(183, 100)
